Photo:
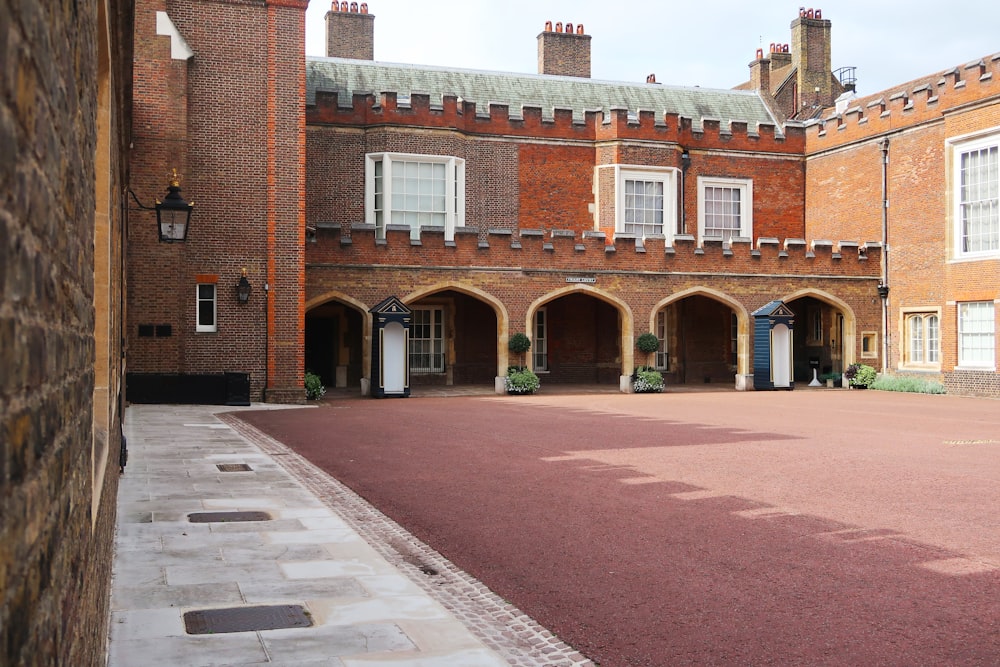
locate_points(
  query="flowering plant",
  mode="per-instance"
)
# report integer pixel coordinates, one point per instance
(647, 381)
(860, 375)
(521, 381)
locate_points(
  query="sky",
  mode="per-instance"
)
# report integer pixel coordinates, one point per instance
(682, 43)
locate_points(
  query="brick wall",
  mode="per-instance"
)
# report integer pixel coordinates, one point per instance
(231, 120)
(64, 116)
(844, 194)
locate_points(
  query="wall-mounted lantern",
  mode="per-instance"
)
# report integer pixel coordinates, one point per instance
(883, 291)
(173, 214)
(243, 288)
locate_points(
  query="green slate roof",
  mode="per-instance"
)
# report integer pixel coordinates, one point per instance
(348, 77)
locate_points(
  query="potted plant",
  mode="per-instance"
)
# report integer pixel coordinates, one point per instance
(314, 387)
(520, 380)
(860, 376)
(647, 379)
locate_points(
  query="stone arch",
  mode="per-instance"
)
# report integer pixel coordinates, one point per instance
(850, 319)
(624, 311)
(363, 339)
(743, 325)
(499, 309)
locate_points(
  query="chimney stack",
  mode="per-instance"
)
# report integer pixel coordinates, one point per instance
(350, 31)
(564, 52)
(811, 57)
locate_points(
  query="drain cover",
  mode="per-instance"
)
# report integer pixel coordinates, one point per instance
(223, 517)
(246, 619)
(233, 467)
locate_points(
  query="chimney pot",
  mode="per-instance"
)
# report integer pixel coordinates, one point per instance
(548, 26)
(558, 26)
(569, 28)
(579, 28)
(364, 7)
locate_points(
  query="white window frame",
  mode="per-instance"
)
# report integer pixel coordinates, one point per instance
(454, 213)
(662, 360)
(929, 354)
(745, 187)
(436, 343)
(974, 329)
(666, 177)
(960, 147)
(213, 326)
(540, 345)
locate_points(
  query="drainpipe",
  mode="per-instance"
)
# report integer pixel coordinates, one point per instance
(883, 288)
(685, 163)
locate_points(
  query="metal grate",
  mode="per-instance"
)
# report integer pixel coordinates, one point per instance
(225, 517)
(246, 619)
(233, 467)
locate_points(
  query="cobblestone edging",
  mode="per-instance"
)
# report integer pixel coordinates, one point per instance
(501, 626)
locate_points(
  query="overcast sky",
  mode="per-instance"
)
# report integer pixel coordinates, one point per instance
(708, 44)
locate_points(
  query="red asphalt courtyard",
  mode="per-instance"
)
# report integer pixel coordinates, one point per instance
(810, 527)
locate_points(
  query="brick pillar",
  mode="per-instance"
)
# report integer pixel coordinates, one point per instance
(564, 53)
(350, 31)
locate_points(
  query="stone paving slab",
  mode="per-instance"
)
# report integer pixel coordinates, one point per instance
(368, 602)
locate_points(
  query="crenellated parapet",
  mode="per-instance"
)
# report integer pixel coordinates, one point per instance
(565, 250)
(422, 111)
(917, 102)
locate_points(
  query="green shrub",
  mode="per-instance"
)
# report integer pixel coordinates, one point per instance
(314, 386)
(519, 344)
(647, 343)
(521, 381)
(860, 375)
(908, 384)
(647, 381)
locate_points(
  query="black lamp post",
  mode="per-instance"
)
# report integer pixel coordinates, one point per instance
(173, 213)
(243, 288)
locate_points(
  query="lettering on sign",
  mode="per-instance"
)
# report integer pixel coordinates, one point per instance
(581, 279)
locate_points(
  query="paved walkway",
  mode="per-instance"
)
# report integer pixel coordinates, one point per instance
(323, 558)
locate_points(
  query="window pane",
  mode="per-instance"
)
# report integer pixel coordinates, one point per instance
(722, 211)
(976, 334)
(933, 340)
(643, 207)
(979, 193)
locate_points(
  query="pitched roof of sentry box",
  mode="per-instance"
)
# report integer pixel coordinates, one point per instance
(349, 77)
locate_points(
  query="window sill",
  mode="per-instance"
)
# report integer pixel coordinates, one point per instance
(988, 369)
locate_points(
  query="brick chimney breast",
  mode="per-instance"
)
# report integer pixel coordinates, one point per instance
(564, 53)
(350, 31)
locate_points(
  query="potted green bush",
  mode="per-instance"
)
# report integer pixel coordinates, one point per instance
(314, 387)
(520, 380)
(860, 376)
(647, 379)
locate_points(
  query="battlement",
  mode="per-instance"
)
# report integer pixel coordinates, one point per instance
(333, 244)
(417, 110)
(908, 105)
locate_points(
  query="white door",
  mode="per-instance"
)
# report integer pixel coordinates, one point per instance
(781, 355)
(393, 358)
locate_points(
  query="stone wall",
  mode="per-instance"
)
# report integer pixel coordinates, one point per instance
(64, 115)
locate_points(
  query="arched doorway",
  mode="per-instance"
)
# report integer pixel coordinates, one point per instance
(334, 342)
(824, 336)
(453, 339)
(576, 339)
(701, 338)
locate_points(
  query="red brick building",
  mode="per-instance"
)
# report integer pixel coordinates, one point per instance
(580, 212)
(916, 167)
